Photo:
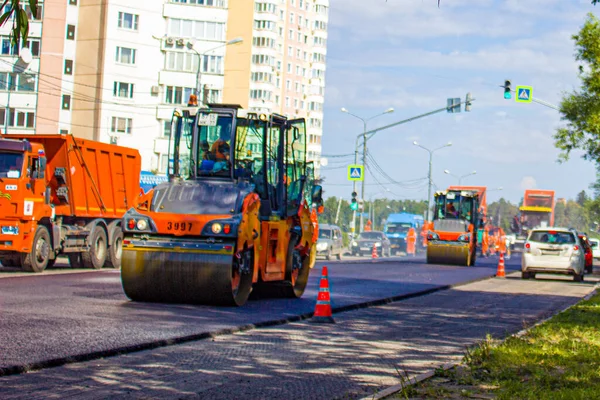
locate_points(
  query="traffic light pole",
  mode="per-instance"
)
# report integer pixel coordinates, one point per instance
(404, 121)
(508, 89)
(353, 227)
(364, 163)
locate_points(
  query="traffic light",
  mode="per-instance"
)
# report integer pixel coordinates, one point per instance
(361, 204)
(354, 203)
(468, 102)
(507, 94)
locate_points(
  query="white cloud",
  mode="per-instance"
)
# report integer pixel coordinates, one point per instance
(528, 182)
(410, 55)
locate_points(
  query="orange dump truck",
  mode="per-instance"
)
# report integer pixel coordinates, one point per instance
(64, 195)
(537, 211)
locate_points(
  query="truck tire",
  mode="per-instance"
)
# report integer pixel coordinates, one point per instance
(39, 256)
(96, 256)
(115, 250)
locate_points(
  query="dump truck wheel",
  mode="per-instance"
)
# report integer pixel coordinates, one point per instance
(96, 256)
(39, 256)
(115, 250)
(75, 260)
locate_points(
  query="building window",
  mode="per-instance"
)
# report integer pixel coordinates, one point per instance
(66, 102)
(125, 55)
(71, 32)
(209, 3)
(17, 118)
(123, 89)
(197, 29)
(166, 129)
(73, 2)
(212, 64)
(121, 125)
(64, 131)
(212, 95)
(17, 82)
(128, 21)
(177, 94)
(32, 44)
(68, 67)
(179, 61)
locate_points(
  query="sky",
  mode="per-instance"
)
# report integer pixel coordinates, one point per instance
(412, 56)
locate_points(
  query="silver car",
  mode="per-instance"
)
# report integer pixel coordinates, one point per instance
(553, 251)
(330, 242)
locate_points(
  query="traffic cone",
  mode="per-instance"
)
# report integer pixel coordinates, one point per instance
(501, 273)
(374, 252)
(323, 308)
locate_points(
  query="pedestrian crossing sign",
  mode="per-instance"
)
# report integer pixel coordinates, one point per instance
(524, 94)
(356, 172)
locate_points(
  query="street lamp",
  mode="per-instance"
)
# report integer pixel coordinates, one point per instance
(200, 55)
(430, 181)
(364, 160)
(460, 178)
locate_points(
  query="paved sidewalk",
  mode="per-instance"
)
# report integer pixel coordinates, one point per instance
(364, 352)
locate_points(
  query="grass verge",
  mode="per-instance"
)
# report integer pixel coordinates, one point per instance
(559, 359)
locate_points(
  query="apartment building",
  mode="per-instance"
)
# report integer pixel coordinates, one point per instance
(114, 70)
(283, 68)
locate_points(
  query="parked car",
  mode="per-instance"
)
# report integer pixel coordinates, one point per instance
(587, 251)
(330, 242)
(595, 243)
(553, 251)
(363, 244)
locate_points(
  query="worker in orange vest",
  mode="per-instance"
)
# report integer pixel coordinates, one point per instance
(411, 242)
(369, 226)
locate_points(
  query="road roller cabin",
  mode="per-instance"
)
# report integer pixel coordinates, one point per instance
(64, 195)
(453, 239)
(237, 215)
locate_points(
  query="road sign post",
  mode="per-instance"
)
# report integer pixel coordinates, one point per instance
(524, 94)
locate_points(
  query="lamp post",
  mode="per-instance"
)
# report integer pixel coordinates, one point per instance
(199, 69)
(460, 178)
(429, 175)
(364, 161)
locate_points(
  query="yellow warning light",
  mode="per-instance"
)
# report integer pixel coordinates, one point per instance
(263, 117)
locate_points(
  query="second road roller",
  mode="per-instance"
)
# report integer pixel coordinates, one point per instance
(238, 214)
(453, 238)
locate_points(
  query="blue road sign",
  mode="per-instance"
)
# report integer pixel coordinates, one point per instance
(356, 172)
(524, 94)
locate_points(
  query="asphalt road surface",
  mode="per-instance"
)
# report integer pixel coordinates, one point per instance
(57, 315)
(364, 352)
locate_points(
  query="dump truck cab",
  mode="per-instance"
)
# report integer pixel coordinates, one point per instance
(453, 239)
(22, 193)
(238, 213)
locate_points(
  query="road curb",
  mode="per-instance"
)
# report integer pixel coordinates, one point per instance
(57, 362)
(410, 381)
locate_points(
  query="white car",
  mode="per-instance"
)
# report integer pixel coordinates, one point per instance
(553, 251)
(595, 247)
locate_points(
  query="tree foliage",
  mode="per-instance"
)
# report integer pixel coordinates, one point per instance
(14, 12)
(581, 109)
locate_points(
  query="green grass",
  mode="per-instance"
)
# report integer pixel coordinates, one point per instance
(559, 359)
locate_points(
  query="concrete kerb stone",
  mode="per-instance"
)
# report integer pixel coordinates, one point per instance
(57, 362)
(410, 381)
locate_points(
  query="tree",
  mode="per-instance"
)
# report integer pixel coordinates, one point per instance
(581, 109)
(581, 198)
(20, 20)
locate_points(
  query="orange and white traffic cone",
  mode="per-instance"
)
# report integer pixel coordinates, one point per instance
(323, 308)
(501, 273)
(374, 252)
